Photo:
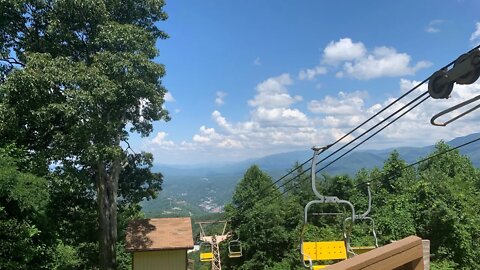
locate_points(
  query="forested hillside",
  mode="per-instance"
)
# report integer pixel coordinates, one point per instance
(436, 200)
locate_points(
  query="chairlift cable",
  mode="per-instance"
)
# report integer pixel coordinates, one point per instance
(370, 118)
(376, 132)
(367, 131)
(421, 161)
(404, 168)
(355, 129)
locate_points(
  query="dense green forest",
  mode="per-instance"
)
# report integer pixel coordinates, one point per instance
(435, 200)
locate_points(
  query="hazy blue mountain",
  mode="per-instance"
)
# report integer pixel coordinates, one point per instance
(193, 190)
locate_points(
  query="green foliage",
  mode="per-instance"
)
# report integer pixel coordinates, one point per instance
(436, 200)
(443, 265)
(65, 257)
(22, 217)
(262, 228)
(76, 76)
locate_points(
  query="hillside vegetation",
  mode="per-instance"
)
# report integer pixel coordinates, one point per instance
(436, 200)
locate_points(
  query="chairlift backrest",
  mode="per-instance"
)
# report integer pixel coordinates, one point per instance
(363, 217)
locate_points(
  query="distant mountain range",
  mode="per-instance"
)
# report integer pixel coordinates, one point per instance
(194, 190)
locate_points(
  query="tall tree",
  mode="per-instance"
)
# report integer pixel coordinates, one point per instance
(258, 214)
(76, 77)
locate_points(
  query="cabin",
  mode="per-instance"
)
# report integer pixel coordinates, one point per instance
(159, 243)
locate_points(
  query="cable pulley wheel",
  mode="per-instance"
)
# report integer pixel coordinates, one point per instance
(470, 77)
(436, 89)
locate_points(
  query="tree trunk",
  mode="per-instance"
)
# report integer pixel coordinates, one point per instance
(107, 188)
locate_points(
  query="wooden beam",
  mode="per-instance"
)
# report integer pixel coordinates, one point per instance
(406, 254)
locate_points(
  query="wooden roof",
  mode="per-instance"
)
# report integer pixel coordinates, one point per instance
(159, 234)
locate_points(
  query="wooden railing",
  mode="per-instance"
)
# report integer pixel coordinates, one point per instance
(406, 254)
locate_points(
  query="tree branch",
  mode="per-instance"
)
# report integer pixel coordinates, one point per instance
(12, 61)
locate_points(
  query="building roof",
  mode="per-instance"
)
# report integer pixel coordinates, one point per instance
(159, 234)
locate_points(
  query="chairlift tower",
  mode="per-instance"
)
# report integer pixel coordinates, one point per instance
(214, 240)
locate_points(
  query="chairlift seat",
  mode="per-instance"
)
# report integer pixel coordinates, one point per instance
(234, 249)
(322, 251)
(206, 256)
(235, 254)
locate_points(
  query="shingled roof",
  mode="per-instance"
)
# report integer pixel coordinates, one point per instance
(159, 234)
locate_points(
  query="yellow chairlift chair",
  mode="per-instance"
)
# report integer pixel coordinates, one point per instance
(234, 249)
(206, 252)
(323, 250)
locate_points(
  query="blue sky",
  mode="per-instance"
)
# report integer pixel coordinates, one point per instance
(252, 78)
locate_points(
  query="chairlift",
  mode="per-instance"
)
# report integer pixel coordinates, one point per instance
(234, 249)
(364, 217)
(466, 70)
(206, 252)
(323, 250)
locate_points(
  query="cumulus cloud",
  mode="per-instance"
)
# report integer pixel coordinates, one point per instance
(279, 117)
(433, 26)
(415, 127)
(219, 100)
(277, 126)
(206, 135)
(343, 104)
(310, 73)
(273, 93)
(360, 64)
(221, 121)
(343, 50)
(475, 37)
(383, 62)
(273, 123)
(159, 139)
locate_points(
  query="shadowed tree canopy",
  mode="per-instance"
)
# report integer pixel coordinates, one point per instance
(76, 77)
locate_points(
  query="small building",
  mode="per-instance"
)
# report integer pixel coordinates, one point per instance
(159, 243)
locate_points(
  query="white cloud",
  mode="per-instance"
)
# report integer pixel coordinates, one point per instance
(364, 65)
(273, 93)
(160, 139)
(219, 100)
(206, 135)
(344, 104)
(383, 62)
(311, 73)
(432, 26)
(476, 35)
(276, 126)
(221, 121)
(415, 126)
(280, 117)
(257, 62)
(343, 50)
(168, 97)
(230, 143)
